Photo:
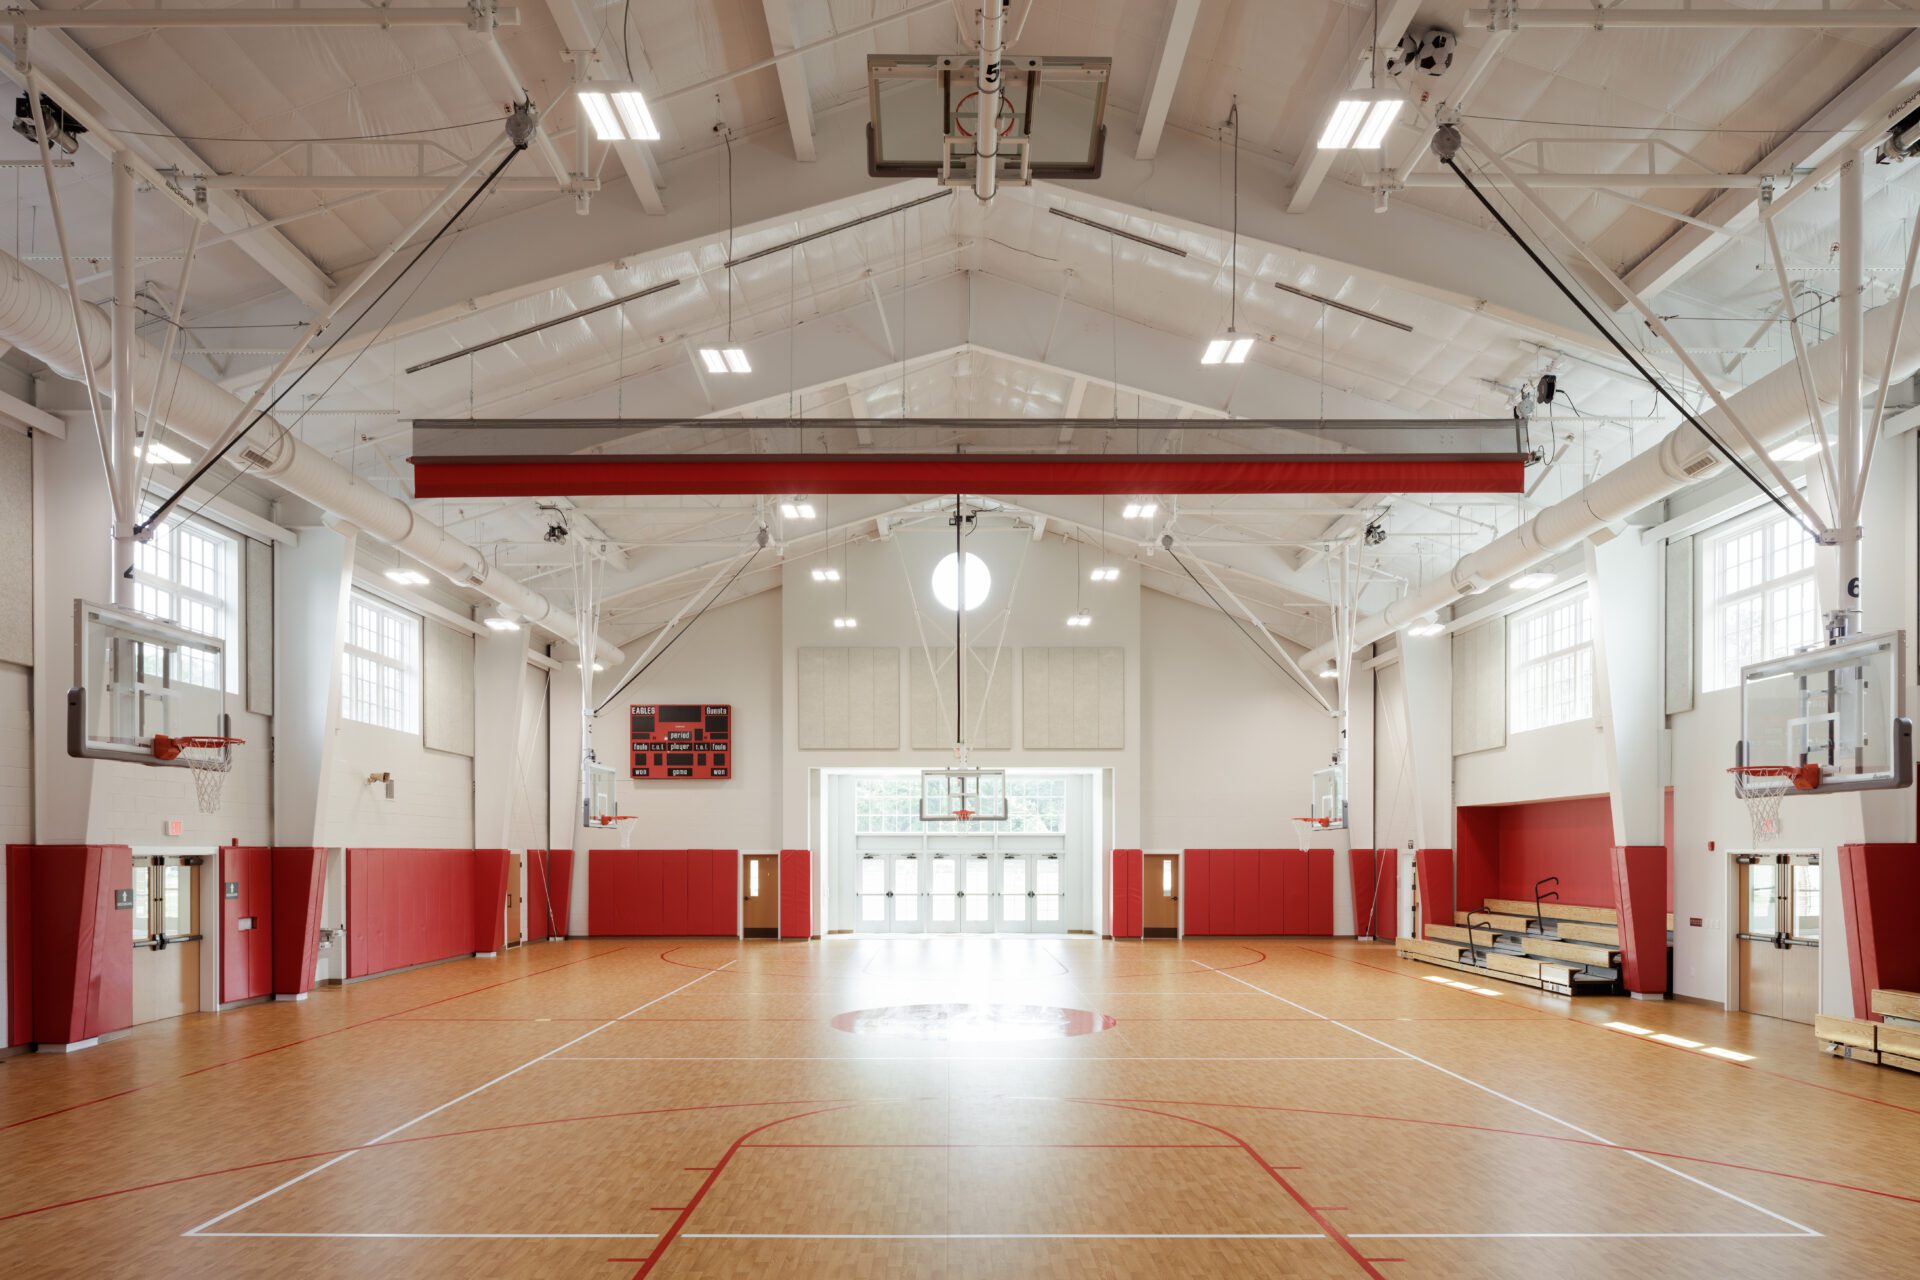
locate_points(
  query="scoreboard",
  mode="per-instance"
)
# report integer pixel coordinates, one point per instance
(686, 740)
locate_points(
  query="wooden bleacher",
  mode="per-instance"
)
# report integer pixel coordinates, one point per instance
(1894, 1042)
(1566, 949)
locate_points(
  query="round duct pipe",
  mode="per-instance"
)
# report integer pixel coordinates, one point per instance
(35, 317)
(1773, 409)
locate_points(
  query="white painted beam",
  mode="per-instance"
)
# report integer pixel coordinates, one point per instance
(1858, 110)
(1353, 72)
(1166, 76)
(793, 78)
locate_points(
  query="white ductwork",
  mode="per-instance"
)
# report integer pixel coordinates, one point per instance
(35, 317)
(1774, 409)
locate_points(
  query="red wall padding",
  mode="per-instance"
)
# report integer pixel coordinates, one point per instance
(1504, 849)
(490, 868)
(1127, 866)
(1371, 872)
(796, 893)
(1433, 871)
(70, 953)
(299, 883)
(408, 906)
(557, 866)
(663, 893)
(1253, 892)
(1640, 887)
(1879, 883)
(246, 955)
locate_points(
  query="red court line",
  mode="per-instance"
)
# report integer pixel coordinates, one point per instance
(679, 1223)
(398, 1142)
(1594, 1026)
(1518, 1133)
(320, 1035)
(1259, 958)
(989, 1146)
(1325, 1223)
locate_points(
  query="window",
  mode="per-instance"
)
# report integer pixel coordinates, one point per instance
(380, 670)
(189, 574)
(1550, 648)
(889, 804)
(1760, 600)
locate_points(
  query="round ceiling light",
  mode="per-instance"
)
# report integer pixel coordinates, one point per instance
(946, 581)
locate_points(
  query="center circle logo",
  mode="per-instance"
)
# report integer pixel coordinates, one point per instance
(988, 1023)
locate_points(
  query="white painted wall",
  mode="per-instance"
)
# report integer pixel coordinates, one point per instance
(1541, 764)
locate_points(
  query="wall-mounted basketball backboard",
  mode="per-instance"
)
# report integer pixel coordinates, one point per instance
(136, 675)
(599, 797)
(1052, 117)
(1330, 796)
(1841, 707)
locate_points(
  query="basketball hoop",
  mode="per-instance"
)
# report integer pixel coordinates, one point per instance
(1763, 804)
(1305, 827)
(608, 819)
(207, 757)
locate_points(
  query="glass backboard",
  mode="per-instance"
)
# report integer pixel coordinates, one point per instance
(600, 802)
(963, 795)
(1330, 795)
(1052, 118)
(1841, 706)
(136, 675)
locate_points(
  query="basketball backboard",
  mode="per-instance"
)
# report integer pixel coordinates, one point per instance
(1053, 117)
(600, 800)
(1841, 706)
(136, 675)
(963, 795)
(1330, 795)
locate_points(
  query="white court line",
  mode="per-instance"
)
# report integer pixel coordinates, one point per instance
(1017, 1235)
(425, 1115)
(587, 1057)
(426, 1235)
(1545, 1115)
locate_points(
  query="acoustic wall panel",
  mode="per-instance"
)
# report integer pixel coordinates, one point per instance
(1073, 698)
(1677, 617)
(16, 534)
(1480, 687)
(989, 687)
(848, 699)
(663, 893)
(446, 706)
(258, 604)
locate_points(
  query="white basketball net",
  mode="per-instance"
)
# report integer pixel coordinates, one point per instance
(209, 766)
(1305, 829)
(1763, 811)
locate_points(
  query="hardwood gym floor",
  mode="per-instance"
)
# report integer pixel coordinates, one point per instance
(619, 1108)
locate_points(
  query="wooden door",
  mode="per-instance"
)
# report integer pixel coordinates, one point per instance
(1160, 896)
(761, 896)
(515, 932)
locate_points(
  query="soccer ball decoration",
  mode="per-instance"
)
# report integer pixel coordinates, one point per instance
(1401, 56)
(1436, 52)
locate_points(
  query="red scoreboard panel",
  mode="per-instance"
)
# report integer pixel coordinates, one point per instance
(686, 740)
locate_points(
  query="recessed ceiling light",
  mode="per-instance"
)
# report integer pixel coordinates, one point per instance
(160, 454)
(1531, 581)
(725, 360)
(1360, 122)
(618, 111)
(1140, 511)
(407, 577)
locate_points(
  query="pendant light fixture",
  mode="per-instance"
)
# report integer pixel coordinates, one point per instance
(728, 358)
(1232, 347)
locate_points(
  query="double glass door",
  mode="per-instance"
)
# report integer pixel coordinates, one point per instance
(1779, 938)
(961, 891)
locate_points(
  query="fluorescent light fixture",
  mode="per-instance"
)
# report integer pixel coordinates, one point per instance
(725, 360)
(797, 509)
(618, 111)
(160, 454)
(1229, 348)
(502, 624)
(1629, 1028)
(1105, 573)
(1531, 582)
(407, 577)
(828, 574)
(1329, 672)
(845, 624)
(1427, 626)
(1796, 450)
(1360, 122)
(1080, 619)
(1140, 510)
(946, 582)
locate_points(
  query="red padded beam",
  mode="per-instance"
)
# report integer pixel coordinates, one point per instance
(1879, 883)
(549, 892)
(490, 868)
(81, 964)
(1433, 870)
(1128, 866)
(19, 944)
(1640, 890)
(299, 884)
(796, 893)
(519, 477)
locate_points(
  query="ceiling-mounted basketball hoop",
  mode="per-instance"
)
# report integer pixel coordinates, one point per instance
(962, 793)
